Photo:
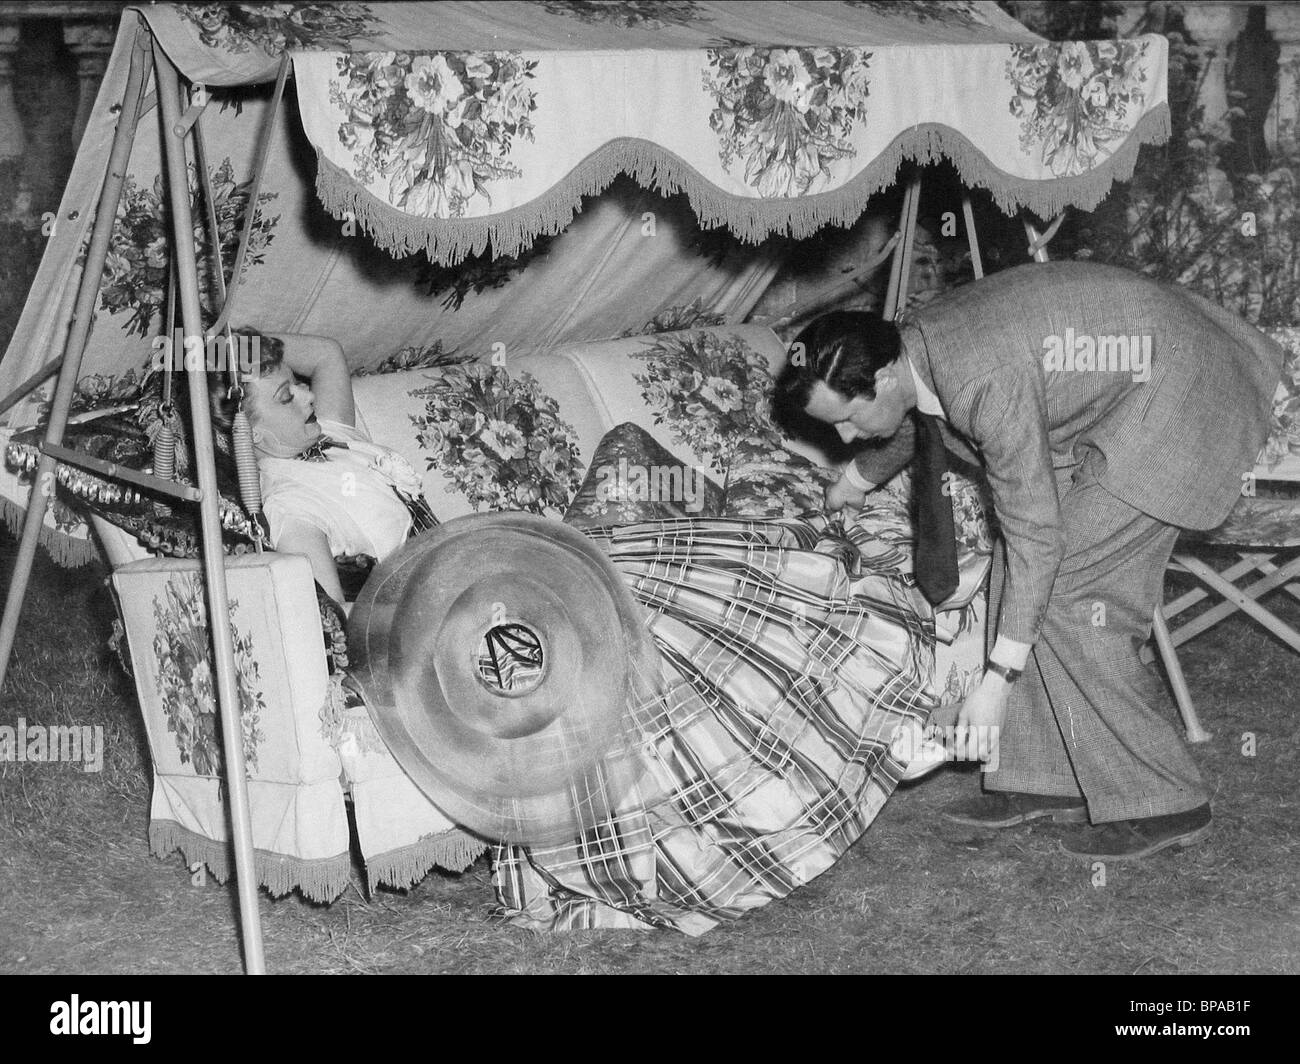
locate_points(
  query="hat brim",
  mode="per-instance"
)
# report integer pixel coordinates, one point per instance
(535, 764)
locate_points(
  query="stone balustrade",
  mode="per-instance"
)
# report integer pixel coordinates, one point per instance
(1283, 22)
(1213, 28)
(52, 58)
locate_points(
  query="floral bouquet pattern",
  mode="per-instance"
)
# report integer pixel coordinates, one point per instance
(499, 440)
(629, 14)
(953, 12)
(714, 392)
(274, 27)
(692, 315)
(414, 356)
(1284, 425)
(186, 683)
(1074, 99)
(439, 126)
(135, 271)
(787, 112)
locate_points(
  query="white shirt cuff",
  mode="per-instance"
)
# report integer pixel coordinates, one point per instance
(1010, 652)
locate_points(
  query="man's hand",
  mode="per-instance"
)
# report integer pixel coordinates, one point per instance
(979, 724)
(842, 494)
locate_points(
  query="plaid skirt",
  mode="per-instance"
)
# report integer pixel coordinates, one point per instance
(791, 667)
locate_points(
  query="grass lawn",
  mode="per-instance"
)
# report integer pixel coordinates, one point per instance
(79, 892)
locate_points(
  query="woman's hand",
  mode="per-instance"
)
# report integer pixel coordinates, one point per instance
(842, 494)
(979, 724)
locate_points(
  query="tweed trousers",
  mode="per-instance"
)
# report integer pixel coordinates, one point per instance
(1087, 717)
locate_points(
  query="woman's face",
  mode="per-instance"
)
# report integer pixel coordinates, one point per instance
(282, 413)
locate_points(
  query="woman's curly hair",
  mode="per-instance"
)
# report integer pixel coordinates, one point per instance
(269, 352)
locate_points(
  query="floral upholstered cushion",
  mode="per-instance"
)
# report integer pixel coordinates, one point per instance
(1268, 517)
(713, 391)
(498, 440)
(1258, 522)
(1281, 454)
(300, 824)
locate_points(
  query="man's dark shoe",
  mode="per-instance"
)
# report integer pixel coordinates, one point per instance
(1131, 839)
(1005, 809)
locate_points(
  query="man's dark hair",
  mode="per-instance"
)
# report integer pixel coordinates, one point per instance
(844, 349)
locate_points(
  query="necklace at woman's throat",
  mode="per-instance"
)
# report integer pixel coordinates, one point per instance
(315, 451)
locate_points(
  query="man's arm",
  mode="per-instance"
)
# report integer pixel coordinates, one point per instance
(876, 463)
(1008, 420)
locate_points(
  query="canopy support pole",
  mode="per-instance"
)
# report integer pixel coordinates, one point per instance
(31, 383)
(214, 569)
(43, 478)
(901, 268)
(1038, 243)
(250, 212)
(968, 215)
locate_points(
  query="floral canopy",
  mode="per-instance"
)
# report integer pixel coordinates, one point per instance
(461, 138)
(452, 127)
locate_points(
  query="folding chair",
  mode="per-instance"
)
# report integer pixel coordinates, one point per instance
(1263, 530)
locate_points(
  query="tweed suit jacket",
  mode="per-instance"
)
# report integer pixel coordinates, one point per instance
(1039, 365)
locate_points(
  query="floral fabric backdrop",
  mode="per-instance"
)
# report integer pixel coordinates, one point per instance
(139, 259)
(462, 144)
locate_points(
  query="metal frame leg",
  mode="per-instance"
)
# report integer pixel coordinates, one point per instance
(1182, 696)
(214, 568)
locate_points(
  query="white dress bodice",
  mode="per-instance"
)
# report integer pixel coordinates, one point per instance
(344, 496)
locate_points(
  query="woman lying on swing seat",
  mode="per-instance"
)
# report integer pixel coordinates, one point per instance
(791, 677)
(327, 490)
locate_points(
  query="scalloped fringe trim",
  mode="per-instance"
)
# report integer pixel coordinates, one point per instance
(321, 880)
(452, 850)
(71, 552)
(449, 240)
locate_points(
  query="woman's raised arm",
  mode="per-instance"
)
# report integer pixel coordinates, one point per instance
(320, 361)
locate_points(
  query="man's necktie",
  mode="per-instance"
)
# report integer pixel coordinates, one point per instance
(935, 561)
